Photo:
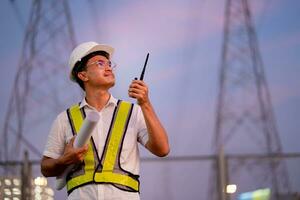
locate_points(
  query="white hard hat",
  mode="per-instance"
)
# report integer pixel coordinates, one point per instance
(85, 49)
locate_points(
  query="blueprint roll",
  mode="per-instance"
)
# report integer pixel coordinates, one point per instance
(82, 138)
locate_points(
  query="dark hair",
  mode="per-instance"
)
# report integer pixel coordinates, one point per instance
(81, 65)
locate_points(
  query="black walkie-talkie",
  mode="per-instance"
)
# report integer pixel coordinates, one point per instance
(143, 72)
(144, 68)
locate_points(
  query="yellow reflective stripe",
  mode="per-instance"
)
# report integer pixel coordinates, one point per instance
(76, 117)
(116, 136)
(109, 177)
(79, 180)
(89, 161)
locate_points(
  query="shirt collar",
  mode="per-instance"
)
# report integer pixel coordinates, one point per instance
(111, 101)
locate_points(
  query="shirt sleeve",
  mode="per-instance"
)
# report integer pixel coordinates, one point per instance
(56, 139)
(141, 127)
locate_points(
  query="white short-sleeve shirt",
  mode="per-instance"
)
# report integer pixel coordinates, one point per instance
(61, 133)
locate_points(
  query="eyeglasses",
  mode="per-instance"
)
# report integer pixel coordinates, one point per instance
(101, 64)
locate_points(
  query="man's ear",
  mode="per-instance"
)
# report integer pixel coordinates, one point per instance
(82, 76)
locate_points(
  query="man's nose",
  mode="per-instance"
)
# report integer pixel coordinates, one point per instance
(107, 68)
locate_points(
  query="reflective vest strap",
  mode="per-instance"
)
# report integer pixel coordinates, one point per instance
(109, 177)
(80, 180)
(76, 117)
(76, 120)
(116, 136)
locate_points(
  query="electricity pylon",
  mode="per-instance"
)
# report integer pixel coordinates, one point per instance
(41, 87)
(245, 125)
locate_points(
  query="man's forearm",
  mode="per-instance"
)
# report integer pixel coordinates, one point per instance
(158, 140)
(52, 167)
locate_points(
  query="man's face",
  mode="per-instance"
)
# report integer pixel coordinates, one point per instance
(99, 73)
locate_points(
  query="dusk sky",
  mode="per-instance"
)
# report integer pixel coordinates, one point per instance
(184, 40)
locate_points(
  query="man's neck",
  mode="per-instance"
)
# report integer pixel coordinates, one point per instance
(97, 98)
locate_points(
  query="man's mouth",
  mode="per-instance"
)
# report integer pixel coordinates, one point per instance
(109, 74)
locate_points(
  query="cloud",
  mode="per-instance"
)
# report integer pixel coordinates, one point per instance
(163, 26)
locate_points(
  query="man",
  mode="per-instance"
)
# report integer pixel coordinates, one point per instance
(107, 168)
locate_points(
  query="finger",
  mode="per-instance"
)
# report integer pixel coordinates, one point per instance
(137, 91)
(139, 82)
(83, 149)
(70, 142)
(138, 86)
(86, 147)
(135, 95)
(80, 157)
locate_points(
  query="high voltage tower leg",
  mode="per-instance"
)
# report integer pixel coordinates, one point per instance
(41, 88)
(245, 122)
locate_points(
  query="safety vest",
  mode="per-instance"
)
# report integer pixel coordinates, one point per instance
(108, 168)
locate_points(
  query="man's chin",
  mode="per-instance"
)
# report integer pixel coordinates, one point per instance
(111, 84)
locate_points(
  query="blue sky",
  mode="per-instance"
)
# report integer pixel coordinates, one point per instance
(184, 40)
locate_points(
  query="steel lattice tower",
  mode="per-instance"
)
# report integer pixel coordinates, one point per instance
(245, 123)
(41, 88)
